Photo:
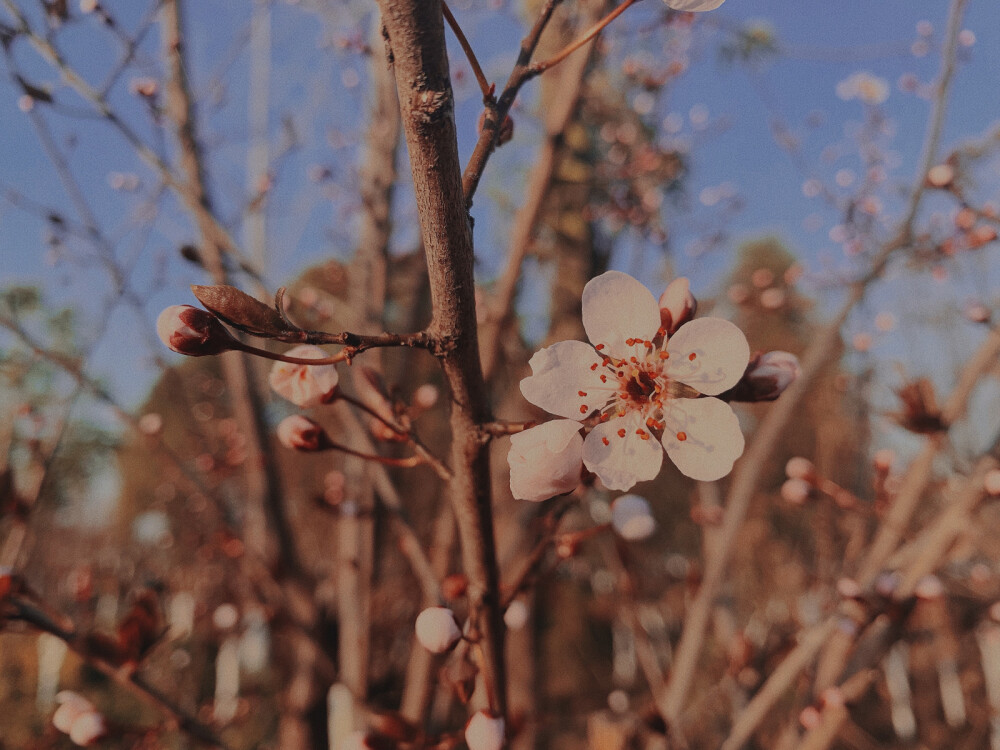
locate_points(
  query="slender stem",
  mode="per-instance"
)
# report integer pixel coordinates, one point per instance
(541, 67)
(279, 357)
(485, 86)
(403, 463)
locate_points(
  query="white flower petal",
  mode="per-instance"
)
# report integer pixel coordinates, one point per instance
(626, 459)
(720, 355)
(559, 373)
(712, 437)
(693, 6)
(616, 307)
(545, 460)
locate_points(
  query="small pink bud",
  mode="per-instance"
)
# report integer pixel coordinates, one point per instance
(632, 519)
(848, 588)
(884, 459)
(305, 385)
(516, 616)
(677, 305)
(426, 396)
(88, 729)
(193, 331)
(484, 732)
(929, 587)
(506, 130)
(976, 312)
(941, 175)
(991, 482)
(800, 468)
(762, 278)
(795, 491)
(773, 298)
(437, 629)
(832, 697)
(766, 377)
(809, 718)
(71, 707)
(300, 433)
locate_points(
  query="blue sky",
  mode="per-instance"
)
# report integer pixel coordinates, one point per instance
(318, 84)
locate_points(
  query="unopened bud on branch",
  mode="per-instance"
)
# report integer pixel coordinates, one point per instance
(301, 433)
(484, 732)
(437, 629)
(305, 385)
(677, 305)
(193, 331)
(767, 376)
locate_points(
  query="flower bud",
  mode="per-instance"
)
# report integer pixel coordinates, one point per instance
(426, 396)
(193, 331)
(795, 491)
(437, 629)
(516, 616)
(766, 377)
(631, 518)
(991, 482)
(800, 468)
(484, 732)
(884, 459)
(941, 176)
(545, 460)
(88, 729)
(505, 132)
(305, 385)
(300, 433)
(677, 305)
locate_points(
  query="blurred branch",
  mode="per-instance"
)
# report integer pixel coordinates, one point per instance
(558, 113)
(749, 469)
(130, 680)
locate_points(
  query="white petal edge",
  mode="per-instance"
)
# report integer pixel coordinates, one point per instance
(713, 439)
(617, 307)
(559, 373)
(693, 6)
(721, 355)
(624, 460)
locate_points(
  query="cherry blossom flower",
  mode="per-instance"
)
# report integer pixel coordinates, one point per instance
(304, 385)
(545, 460)
(640, 390)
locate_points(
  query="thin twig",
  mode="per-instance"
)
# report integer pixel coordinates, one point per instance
(484, 85)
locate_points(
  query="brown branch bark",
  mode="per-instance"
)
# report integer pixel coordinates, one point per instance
(415, 32)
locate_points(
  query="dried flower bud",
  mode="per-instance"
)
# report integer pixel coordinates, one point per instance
(305, 385)
(632, 519)
(677, 305)
(484, 732)
(795, 491)
(192, 331)
(800, 468)
(506, 130)
(437, 629)
(300, 433)
(454, 586)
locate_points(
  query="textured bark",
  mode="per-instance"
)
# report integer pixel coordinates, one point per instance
(415, 33)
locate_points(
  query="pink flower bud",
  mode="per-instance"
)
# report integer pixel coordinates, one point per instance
(426, 396)
(800, 468)
(848, 588)
(437, 629)
(766, 377)
(193, 331)
(991, 482)
(810, 717)
(300, 433)
(976, 312)
(305, 385)
(884, 459)
(677, 305)
(516, 616)
(632, 519)
(940, 175)
(929, 587)
(88, 729)
(484, 732)
(795, 491)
